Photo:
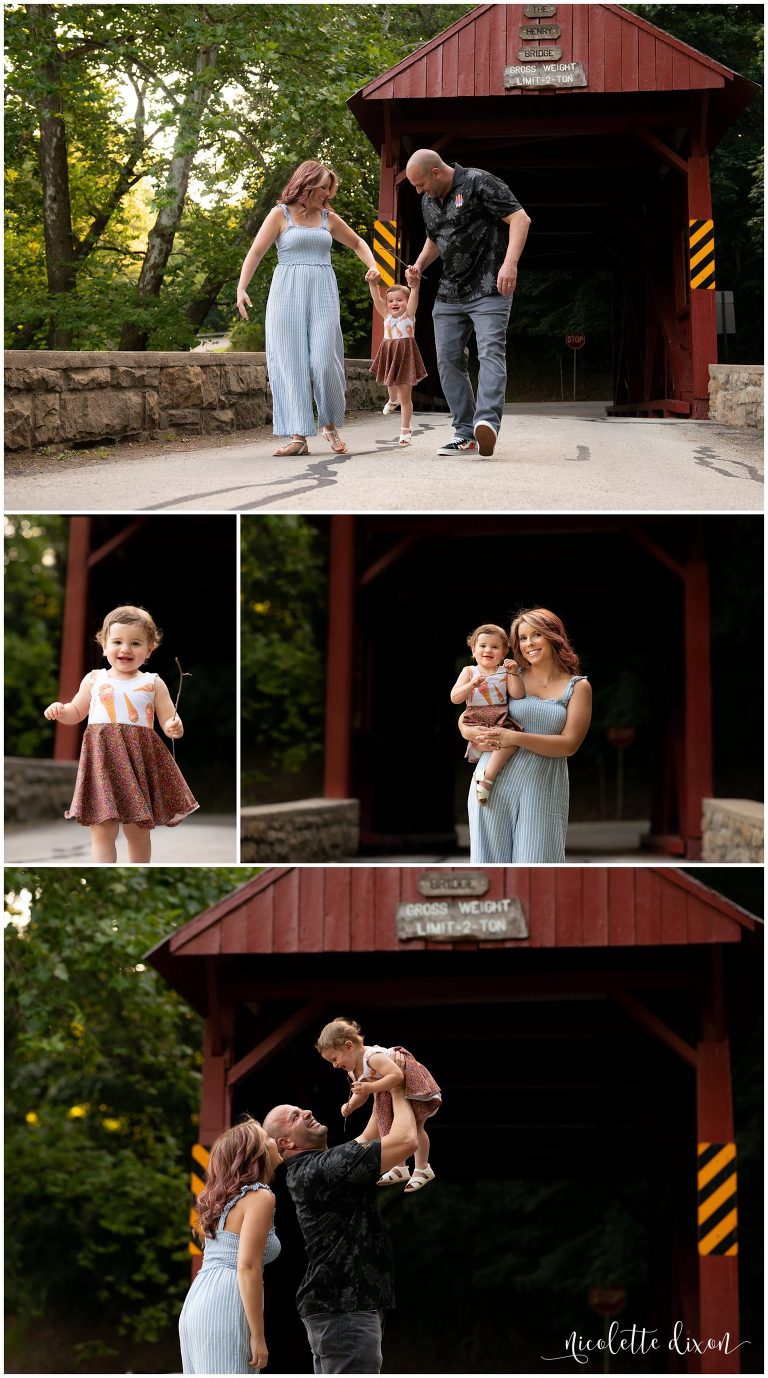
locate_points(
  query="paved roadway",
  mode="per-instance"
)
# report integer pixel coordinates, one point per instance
(547, 459)
(211, 839)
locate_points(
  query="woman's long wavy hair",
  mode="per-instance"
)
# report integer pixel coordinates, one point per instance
(550, 626)
(304, 180)
(239, 1156)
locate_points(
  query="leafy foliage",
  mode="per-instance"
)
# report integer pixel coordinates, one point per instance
(283, 593)
(261, 117)
(101, 1087)
(35, 557)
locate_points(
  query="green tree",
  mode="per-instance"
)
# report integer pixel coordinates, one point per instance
(101, 1091)
(221, 112)
(35, 560)
(283, 632)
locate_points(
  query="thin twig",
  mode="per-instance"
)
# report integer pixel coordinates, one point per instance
(183, 674)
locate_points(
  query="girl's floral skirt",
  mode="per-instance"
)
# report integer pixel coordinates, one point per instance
(128, 775)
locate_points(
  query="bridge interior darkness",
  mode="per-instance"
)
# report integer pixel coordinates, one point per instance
(453, 574)
(555, 1102)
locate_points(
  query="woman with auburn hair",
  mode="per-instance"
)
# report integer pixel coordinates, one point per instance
(305, 348)
(526, 816)
(221, 1326)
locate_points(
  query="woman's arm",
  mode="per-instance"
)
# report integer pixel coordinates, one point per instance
(375, 291)
(166, 714)
(270, 229)
(259, 1210)
(567, 743)
(344, 233)
(74, 711)
(464, 683)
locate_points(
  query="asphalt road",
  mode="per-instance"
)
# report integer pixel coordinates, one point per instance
(212, 839)
(546, 460)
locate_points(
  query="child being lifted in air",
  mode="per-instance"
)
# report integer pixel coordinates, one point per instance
(372, 1071)
(486, 689)
(398, 362)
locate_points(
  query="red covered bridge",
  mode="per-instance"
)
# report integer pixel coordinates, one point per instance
(579, 1020)
(602, 124)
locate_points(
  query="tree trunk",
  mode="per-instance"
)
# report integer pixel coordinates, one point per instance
(163, 232)
(54, 171)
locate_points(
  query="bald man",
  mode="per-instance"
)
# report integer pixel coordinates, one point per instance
(349, 1281)
(465, 210)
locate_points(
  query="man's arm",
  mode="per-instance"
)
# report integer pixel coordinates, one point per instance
(519, 224)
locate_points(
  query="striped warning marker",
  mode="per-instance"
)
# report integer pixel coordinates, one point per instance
(701, 238)
(384, 246)
(717, 1199)
(200, 1157)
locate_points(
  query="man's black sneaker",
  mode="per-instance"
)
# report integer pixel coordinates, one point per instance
(458, 446)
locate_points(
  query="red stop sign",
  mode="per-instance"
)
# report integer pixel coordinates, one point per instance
(575, 341)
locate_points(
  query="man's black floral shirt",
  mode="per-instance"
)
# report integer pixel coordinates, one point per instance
(349, 1255)
(468, 230)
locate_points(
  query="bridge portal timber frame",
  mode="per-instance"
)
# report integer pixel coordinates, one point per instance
(614, 1020)
(613, 172)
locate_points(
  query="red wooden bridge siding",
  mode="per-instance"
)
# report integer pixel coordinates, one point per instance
(353, 909)
(620, 51)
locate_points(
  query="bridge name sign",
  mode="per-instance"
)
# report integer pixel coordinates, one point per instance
(449, 920)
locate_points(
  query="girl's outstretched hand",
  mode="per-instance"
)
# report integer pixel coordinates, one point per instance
(243, 300)
(362, 1088)
(373, 275)
(54, 711)
(346, 1109)
(174, 727)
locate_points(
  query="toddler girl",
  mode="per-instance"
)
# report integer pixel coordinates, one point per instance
(486, 690)
(126, 775)
(372, 1071)
(398, 362)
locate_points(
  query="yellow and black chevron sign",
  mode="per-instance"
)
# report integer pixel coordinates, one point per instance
(384, 245)
(200, 1156)
(717, 1199)
(701, 238)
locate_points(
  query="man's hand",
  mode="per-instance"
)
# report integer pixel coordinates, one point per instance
(507, 278)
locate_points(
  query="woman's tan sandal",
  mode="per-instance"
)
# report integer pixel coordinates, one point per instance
(394, 1177)
(335, 441)
(419, 1178)
(294, 447)
(483, 788)
(405, 437)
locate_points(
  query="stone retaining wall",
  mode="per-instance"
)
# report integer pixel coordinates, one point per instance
(732, 830)
(37, 790)
(302, 830)
(53, 397)
(736, 394)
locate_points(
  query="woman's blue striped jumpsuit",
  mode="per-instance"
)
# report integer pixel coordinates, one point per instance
(213, 1328)
(526, 817)
(305, 348)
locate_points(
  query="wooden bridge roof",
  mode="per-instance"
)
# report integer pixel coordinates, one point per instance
(620, 52)
(324, 909)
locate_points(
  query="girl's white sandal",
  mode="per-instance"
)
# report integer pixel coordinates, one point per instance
(419, 1178)
(483, 789)
(394, 1177)
(389, 407)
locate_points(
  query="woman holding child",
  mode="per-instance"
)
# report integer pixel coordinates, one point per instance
(524, 816)
(305, 348)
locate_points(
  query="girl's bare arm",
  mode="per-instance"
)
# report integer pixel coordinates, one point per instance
(166, 714)
(74, 711)
(461, 689)
(378, 301)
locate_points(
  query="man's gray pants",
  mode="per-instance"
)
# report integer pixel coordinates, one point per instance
(454, 322)
(345, 1342)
